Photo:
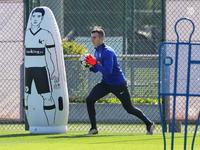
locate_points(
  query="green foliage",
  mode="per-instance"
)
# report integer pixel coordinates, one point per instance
(115, 100)
(72, 48)
(145, 100)
(77, 100)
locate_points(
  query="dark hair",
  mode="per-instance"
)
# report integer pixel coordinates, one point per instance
(100, 32)
(41, 10)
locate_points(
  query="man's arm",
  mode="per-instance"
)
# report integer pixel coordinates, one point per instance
(93, 70)
(107, 68)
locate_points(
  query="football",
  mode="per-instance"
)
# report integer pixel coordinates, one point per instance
(83, 59)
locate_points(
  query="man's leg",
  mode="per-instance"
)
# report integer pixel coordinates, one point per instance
(122, 93)
(99, 91)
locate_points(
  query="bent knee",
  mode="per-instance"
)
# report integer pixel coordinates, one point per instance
(131, 110)
(89, 100)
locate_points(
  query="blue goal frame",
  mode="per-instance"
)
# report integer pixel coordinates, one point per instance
(167, 61)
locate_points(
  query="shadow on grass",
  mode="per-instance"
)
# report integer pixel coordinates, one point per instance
(18, 135)
(85, 136)
(145, 137)
(54, 135)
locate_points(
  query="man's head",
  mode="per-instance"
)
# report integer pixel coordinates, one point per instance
(97, 36)
(37, 16)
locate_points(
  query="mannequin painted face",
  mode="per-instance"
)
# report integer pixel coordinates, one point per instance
(36, 18)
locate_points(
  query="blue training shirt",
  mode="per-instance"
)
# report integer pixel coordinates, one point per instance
(108, 65)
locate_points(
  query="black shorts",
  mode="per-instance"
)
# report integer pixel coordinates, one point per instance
(40, 77)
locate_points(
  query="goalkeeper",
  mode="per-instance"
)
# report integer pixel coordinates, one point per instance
(113, 81)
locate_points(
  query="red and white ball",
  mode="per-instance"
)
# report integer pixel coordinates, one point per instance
(83, 59)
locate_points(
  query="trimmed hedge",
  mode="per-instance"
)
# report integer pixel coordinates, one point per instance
(72, 48)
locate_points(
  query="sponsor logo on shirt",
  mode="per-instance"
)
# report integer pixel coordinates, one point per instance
(99, 63)
(35, 51)
(41, 41)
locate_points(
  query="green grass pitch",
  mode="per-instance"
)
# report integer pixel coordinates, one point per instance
(23, 140)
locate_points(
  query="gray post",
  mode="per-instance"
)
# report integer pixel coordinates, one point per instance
(177, 126)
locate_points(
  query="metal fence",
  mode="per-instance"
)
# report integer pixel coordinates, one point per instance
(11, 62)
(134, 29)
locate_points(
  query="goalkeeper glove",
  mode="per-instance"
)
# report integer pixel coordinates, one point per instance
(90, 60)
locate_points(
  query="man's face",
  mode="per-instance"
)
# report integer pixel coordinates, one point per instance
(36, 18)
(96, 40)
